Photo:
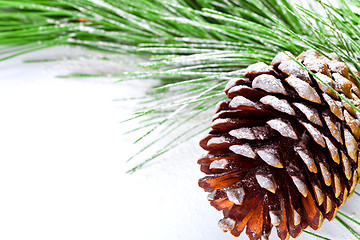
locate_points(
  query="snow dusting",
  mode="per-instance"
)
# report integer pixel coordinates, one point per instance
(337, 185)
(303, 89)
(293, 69)
(219, 164)
(348, 107)
(279, 104)
(281, 57)
(243, 133)
(266, 182)
(220, 121)
(353, 124)
(326, 80)
(284, 128)
(243, 149)
(252, 133)
(332, 149)
(335, 106)
(347, 165)
(231, 83)
(334, 127)
(343, 85)
(300, 185)
(237, 88)
(315, 133)
(236, 195)
(319, 194)
(270, 156)
(310, 113)
(217, 140)
(317, 65)
(338, 67)
(226, 224)
(274, 217)
(326, 174)
(297, 218)
(257, 69)
(240, 101)
(351, 144)
(269, 84)
(211, 196)
(307, 159)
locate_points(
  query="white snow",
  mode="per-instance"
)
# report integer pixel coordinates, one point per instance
(240, 101)
(300, 185)
(351, 144)
(284, 128)
(243, 133)
(279, 104)
(303, 89)
(307, 159)
(325, 173)
(219, 164)
(226, 224)
(266, 182)
(269, 84)
(310, 113)
(335, 106)
(258, 68)
(270, 156)
(294, 70)
(274, 218)
(236, 195)
(315, 133)
(243, 149)
(217, 140)
(332, 149)
(334, 127)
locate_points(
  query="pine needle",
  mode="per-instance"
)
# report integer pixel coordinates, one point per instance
(316, 235)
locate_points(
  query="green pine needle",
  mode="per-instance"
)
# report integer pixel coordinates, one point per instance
(316, 235)
(355, 234)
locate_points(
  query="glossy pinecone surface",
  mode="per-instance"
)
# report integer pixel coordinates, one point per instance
(283, 150)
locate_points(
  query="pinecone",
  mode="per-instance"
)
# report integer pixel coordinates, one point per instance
(283, 150)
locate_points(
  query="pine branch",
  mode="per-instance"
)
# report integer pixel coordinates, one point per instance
(193, 43)
(115, 25)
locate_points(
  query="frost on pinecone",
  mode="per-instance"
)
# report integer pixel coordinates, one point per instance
(283, 150)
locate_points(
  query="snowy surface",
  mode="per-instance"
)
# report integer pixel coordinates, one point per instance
(62, 161)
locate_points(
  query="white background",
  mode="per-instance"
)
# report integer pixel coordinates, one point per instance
(63, 153)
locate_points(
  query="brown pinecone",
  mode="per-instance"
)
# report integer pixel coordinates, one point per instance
(283, 150)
